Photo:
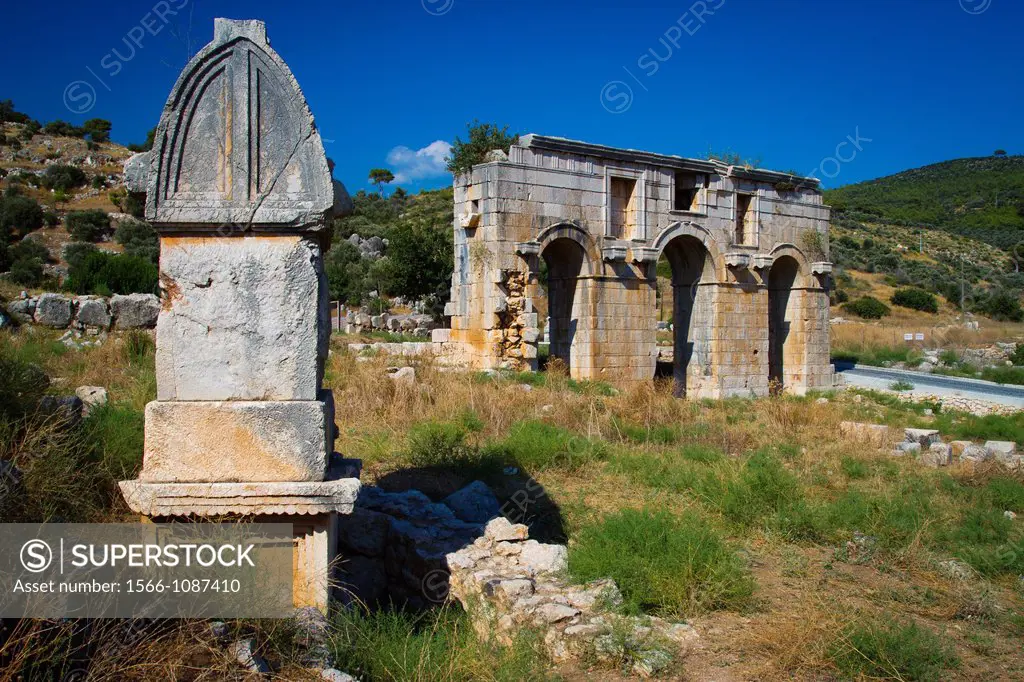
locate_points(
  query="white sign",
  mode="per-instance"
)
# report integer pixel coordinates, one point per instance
(919, 337)
(908, 337)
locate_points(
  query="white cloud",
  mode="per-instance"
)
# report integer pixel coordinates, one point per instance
(409, 165)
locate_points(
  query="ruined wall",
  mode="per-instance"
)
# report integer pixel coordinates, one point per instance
(550, 201)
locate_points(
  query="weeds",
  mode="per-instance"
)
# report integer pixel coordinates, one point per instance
(664, 564)
(891, 650)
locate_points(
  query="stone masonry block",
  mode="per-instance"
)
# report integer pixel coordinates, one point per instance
(240, 318)
(237, 441)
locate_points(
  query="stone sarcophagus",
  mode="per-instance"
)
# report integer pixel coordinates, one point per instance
(240, 191)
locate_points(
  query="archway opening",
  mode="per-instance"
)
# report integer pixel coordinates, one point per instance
(782, 319)
(564, 261)
(687, 265)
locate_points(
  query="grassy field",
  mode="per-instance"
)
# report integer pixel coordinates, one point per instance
(793, 552)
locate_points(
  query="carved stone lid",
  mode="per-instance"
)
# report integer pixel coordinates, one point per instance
(236, 144)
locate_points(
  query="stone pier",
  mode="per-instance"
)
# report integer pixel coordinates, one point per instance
(240, 191)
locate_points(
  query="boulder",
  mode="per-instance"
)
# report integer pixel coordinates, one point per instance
(22, 310)
(53, 310)
(94, 312)
(541, 558)
(135, 311)
(335, 675)
(91, 396)
(67, 409)
(364, 531)
(403, 376)
(474, 503)
(244, 651)
(6, 321)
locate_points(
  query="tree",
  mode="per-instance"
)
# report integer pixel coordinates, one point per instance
(381, 177)
(147, 145)
(420, 260)
(9, 115)
(999, 152)
(483, 137)
(63, 177)
(60, 128)
(98, 129)
(138, 239)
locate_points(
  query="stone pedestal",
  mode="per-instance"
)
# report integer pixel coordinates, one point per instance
(239, 189)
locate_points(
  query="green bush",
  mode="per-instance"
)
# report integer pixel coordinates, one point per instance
(674, 566)
(867, 307)
(138, 239)
(87, 226)
(27, 258)
(1017, 356)
(1001, 306)
(22, 385)
(105, 274)
(63, 177)
(439, 444)
(19, 215)
(890, 650)
(917, 299)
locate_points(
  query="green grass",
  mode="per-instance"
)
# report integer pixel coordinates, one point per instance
(891, 650)
(535, 445)
(435, 645)
(878, 356)
(117, 430)
(1004, 375)
(673, 566)
(901, 386)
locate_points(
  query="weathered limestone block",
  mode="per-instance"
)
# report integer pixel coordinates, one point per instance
(94, 312)
(235, 441)
(241, 320)
(135, 311)
(53, 310)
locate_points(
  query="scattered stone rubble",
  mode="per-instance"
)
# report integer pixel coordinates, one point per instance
(927, 446)
(404, 548)
(371, 248)
(415, 324)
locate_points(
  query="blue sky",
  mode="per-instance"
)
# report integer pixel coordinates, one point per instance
(902, 82)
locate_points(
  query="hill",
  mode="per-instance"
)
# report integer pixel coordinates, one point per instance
(949, 228)
(981, 198)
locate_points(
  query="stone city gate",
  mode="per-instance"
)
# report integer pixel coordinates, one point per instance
(568, 235)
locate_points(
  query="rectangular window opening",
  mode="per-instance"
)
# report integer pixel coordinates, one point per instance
(623, 208)
(745, 219)
(687, 192)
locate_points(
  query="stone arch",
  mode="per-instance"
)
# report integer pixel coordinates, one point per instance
(790, 291)
(575, 233)
(694, 231)
(693, 308)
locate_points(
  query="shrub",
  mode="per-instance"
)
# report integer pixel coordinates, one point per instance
(63, 177)
(867, 307)
(901, 386)
(87, 226)
(763, 488)
(890, 650)
(51, 219)
(105, 274)
(674, 566)
(915, 298)
(138, 239)
(75, 253)
(61, 128)
(1017, 356)
(438, 444)
(1001, 306)
(19, 215)
(22, 385)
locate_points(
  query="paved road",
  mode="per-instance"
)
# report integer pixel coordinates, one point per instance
(933, 384)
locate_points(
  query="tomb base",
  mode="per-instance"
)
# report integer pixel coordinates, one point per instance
(240, 441)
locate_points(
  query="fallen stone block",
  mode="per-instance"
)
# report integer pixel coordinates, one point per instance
(926, 437)
(878, 435)
(501, 529)
(975, 454)
(938, 455)
(94, 312)
(1002, 450)
(91, 396)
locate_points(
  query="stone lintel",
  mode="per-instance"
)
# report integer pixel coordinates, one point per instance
(236, 441)
(215, 499)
